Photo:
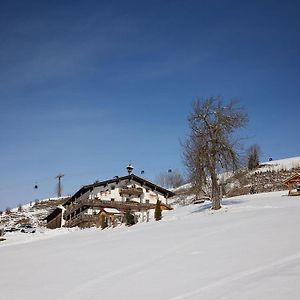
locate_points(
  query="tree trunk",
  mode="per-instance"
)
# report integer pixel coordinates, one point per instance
(216, 200)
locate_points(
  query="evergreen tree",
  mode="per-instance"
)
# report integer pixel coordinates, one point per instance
(157, 213)
(104, 222)
(129, 218)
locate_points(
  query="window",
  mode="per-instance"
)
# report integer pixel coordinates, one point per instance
(112, 199)
(147, 201)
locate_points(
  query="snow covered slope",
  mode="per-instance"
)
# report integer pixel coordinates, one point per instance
(31, 213)
(250, 249)
(281, 164)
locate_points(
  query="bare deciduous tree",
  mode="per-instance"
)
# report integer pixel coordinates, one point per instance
(211, 146)
(20, 208)
(253, 156)
(171, 179)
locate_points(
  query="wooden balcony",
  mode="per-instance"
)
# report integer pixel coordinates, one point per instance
(131, 191)
(79, 219)
(97, 203)
(87, 220)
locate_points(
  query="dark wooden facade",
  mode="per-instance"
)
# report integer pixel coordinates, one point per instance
(54, 219)
(293, 184)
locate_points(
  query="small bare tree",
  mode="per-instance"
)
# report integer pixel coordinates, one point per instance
(20, 208)
(211, 146)
(253, 155)
(170, 179)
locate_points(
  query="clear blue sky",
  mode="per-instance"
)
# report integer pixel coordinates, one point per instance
(86, 86)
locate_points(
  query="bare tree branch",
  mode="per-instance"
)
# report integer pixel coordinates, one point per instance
(211, 146)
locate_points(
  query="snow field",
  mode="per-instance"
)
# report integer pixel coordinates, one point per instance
(250, 249)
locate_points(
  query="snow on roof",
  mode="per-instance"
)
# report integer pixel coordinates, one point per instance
(111, 210)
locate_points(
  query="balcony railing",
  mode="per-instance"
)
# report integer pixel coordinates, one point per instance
(79, 219)
(97, 203)
(131, 191)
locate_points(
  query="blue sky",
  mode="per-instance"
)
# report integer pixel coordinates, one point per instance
(87, 86)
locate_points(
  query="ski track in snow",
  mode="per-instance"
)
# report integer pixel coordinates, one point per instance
(236, 277)
(141, 267)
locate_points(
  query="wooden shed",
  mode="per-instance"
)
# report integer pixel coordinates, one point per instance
(108, 216)
(293, 184)
(54, 218)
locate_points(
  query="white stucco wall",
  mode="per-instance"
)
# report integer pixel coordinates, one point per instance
(107, 193)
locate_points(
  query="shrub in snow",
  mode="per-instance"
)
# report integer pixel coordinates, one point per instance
(129, 218)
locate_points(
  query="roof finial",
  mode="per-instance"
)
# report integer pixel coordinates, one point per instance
(129, 168)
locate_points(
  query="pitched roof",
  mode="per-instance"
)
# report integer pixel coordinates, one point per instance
(293, 179)
(116, 179)
(53, 214)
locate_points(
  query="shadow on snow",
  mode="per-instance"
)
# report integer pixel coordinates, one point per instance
(207, 205)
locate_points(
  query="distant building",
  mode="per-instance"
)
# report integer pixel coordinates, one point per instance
(108, 202)
(293, 184)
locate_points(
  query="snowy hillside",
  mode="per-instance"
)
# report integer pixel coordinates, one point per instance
(281, 164)
(250, 249)
(31, 213)
(268, 177)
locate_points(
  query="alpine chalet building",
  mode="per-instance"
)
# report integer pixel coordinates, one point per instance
(107, 202)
